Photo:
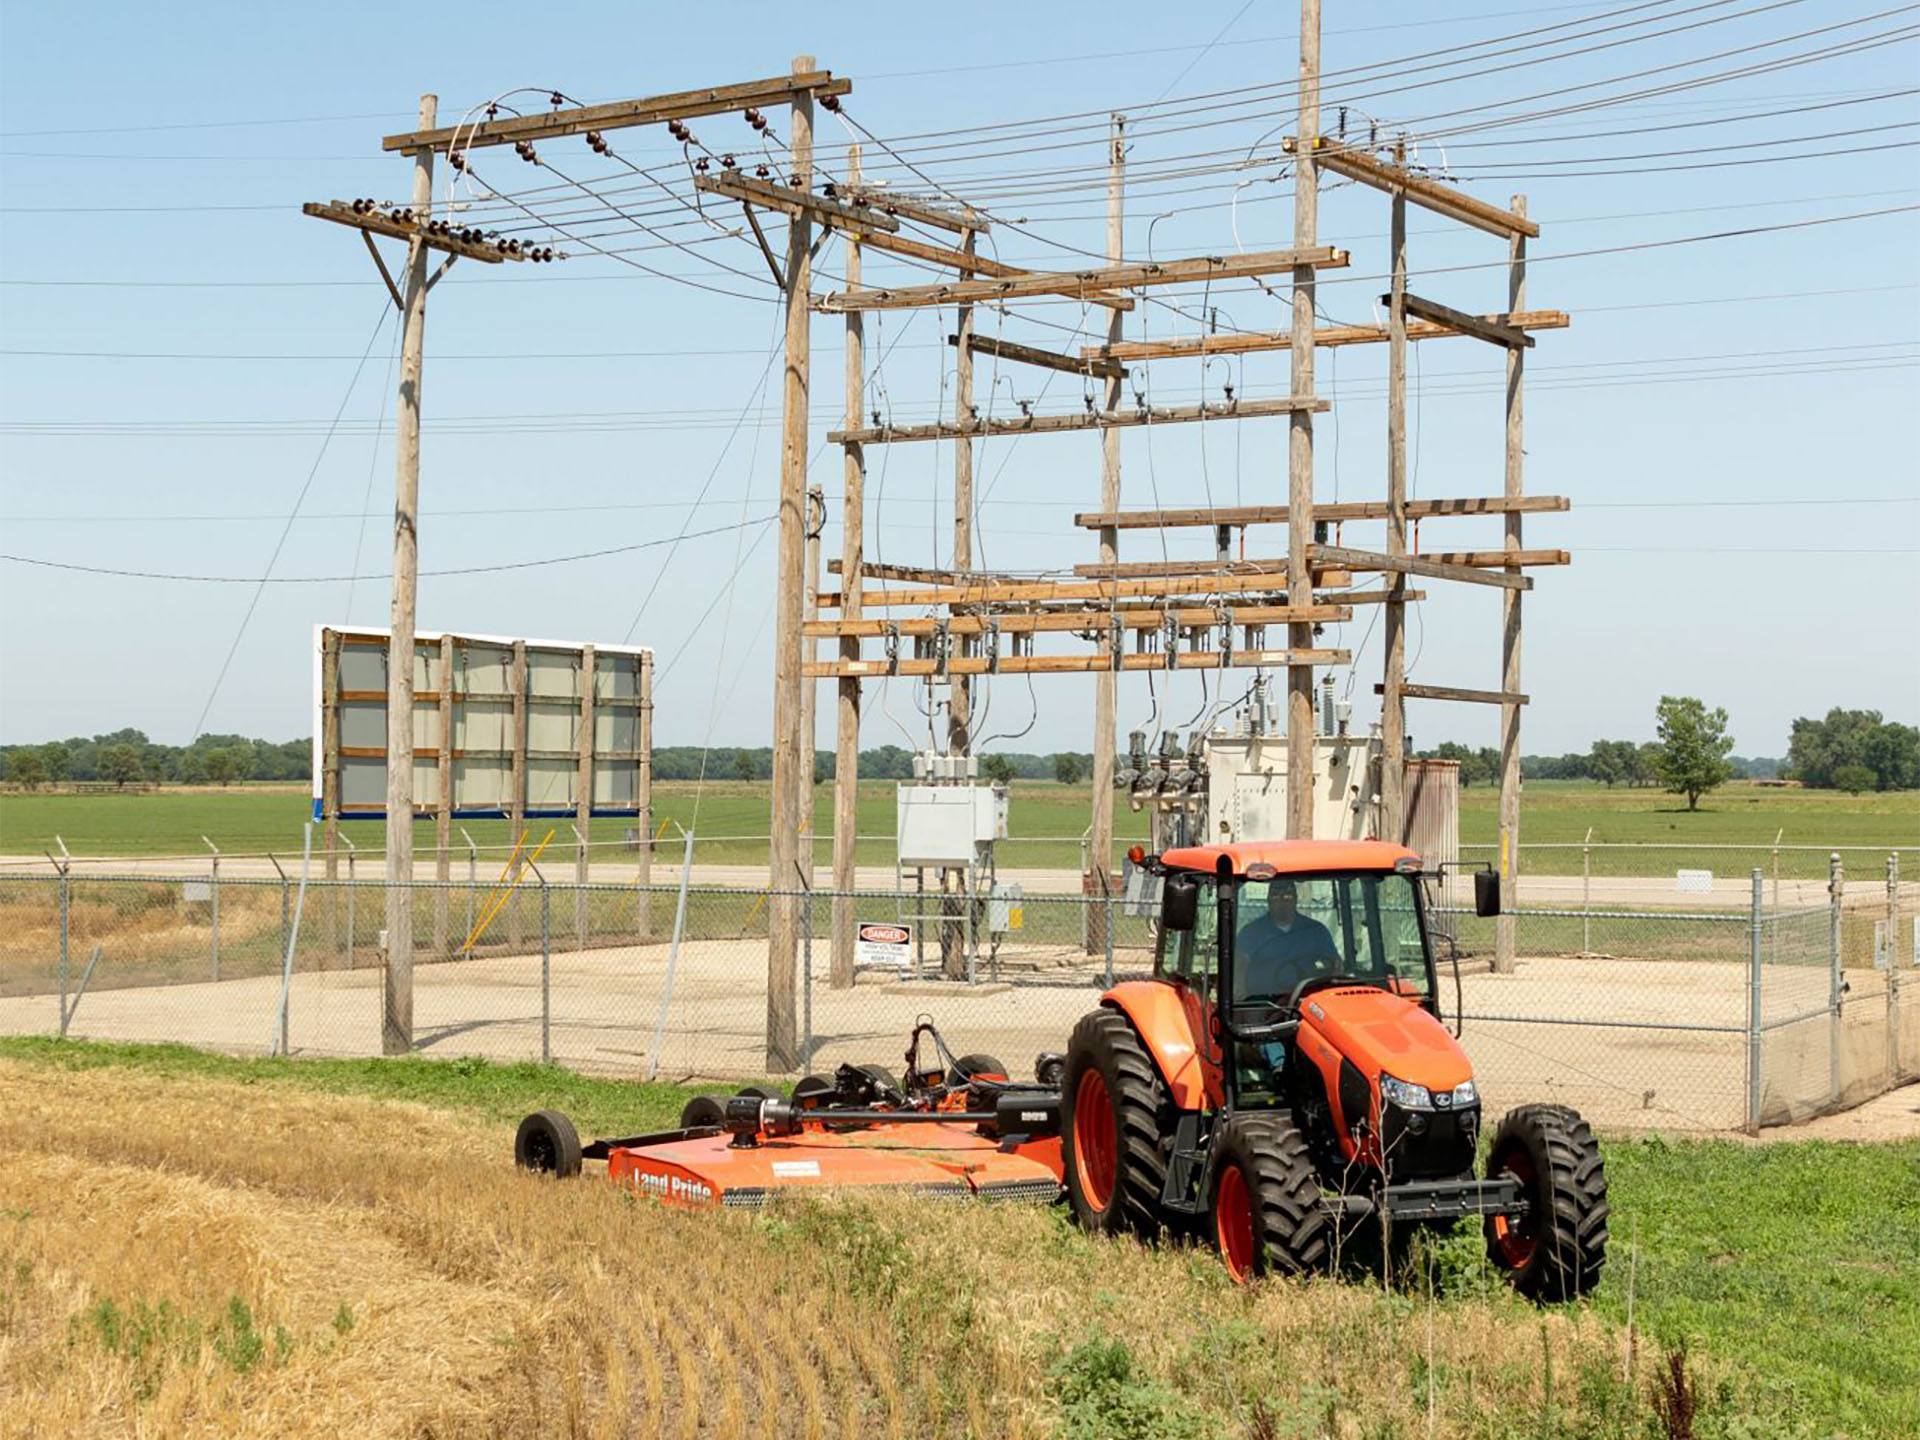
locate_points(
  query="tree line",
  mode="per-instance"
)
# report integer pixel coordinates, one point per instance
(128, 757)
(1853, 750)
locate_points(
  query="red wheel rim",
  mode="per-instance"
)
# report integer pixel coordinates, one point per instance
(1095, 1148)
(1233, 1223)
(1514, 1238)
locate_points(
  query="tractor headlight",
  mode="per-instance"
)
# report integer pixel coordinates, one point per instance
(1404, 1094)
(1464, 1094)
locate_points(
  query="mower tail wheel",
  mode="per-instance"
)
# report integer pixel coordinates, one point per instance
(548, 1143)
(976, 1067)
(1116, 1110)
(760, 1092)
(703, 1111)
(1555, 1251)
(811, 1089)
(1266, 1212)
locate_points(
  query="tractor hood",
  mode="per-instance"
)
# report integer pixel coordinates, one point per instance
(1379, 1032)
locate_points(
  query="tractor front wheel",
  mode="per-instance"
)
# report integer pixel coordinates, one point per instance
(1111, 1125)
(1266, 1211)
(1553, 1252)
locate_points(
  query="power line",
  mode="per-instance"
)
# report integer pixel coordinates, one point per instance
(263, 580)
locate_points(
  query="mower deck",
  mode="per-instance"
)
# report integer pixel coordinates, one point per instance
(705, 1169)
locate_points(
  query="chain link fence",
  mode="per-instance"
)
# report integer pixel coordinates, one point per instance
(1697, 1018)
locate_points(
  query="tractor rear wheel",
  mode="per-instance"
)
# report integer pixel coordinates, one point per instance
(1116, 1111)
(1266, 1212)
(1554, 1252)
(548, 1143)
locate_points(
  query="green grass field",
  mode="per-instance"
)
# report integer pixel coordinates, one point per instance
(1047, 820)
(1786, 1270)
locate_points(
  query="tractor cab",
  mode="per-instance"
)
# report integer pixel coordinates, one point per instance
(1286, 1074)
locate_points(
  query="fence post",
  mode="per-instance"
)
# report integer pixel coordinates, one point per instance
(1893, 967)
(581, 874)
(473, 875)
(1776, 867)
(1755, 947)
(213, 901)
(1586, 893)
(293, 936)
(1836, 886)
(1107, 902)
(673, 959)
(546, 972)
(66, 930)
(352, 959)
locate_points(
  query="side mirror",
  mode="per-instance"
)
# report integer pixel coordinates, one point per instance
(1179, 904)
(1486, 893)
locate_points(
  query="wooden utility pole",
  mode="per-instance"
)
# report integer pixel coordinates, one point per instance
(853, 502)
(784, 872)
(396, 1020)
(960, 689)
(809, 652)
(1393, 705)
(1510, 616)
(1098, 881)
(1306, 224)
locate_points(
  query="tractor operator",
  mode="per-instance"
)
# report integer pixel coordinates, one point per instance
(1282, 947)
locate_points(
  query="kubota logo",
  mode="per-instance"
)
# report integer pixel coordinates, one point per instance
(884, 934)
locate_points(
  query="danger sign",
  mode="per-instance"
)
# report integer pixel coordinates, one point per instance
(884, 943)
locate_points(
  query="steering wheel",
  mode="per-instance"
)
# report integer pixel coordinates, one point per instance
(1326, 982)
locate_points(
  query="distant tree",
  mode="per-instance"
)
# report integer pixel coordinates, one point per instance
(57, 759)
(1611, 762)
(1694, 745)
(742, 765)
(193, 767)
(120, 763)
(1853, 779)
(1819, 749)
(26, 767)
(1066, 768)
(1644, 769)
(998, 768)
(229, 764)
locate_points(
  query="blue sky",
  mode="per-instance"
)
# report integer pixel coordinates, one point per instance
(1734, 419)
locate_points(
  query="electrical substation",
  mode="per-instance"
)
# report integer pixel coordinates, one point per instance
(1289, 762)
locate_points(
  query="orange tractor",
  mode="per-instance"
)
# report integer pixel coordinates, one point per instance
(1285, 1080)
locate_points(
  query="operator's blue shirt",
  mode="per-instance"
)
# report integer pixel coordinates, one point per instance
(1272, 960)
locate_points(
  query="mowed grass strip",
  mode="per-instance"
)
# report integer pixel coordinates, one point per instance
(1786, 1270)
(1045, 820)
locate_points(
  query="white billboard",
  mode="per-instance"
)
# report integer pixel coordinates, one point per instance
(523, 728)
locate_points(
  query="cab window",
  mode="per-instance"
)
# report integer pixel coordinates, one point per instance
(1295, 928)
(1193, 955)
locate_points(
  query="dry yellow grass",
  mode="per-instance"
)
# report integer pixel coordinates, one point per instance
(183, 1258)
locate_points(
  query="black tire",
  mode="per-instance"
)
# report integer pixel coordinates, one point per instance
(811, 1090)
(1105, 1045)
(967, 1067)
(703, 1112)
(1555, 1252)
(884, 1082)
(1265, 1211)
(547, 1142)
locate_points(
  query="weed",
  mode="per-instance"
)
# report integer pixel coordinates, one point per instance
(1674, 1400)
(1102, 1393)
(235, 1340)
(343, 1319)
